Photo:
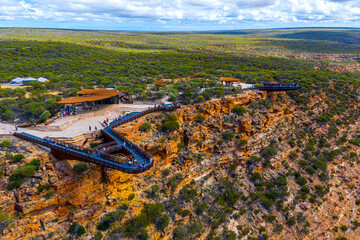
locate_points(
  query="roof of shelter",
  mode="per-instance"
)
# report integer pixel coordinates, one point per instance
(226, 79)
(89, 95)
(159, 83)
(71, 100)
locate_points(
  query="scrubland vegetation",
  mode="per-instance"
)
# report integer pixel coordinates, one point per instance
(72, 60)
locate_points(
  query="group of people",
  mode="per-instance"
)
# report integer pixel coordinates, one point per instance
(68, 110)
(134, 163)
(95, 128)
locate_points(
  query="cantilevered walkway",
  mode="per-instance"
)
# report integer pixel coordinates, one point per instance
(275, 87)
(136, 161)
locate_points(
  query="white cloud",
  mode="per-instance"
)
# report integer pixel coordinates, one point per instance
(217, 11)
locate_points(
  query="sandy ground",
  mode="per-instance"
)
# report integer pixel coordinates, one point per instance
(81, 122)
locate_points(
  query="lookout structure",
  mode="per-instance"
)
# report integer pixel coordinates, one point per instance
(96, 96)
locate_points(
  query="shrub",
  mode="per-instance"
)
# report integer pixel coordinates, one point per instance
(242, 142)
(18, 157)
(199, 118)
(301, 181)
(34, 162)
(45, 115)
(131, 196)
(94, 144)
(98, 236)
(291, 221)
(134, 226)
(43, 187)
(239, 110)
(145, 127)
(80, 167)
(50, 193)
(170, 126)
(227, 135)
(255, 176)
(107, 221)
(6, 143)
(165, 172)
(268, 153)
(200, 208)
(162, 222)
(199, 99)
(293, 156)
(76, 229)
(26, 171)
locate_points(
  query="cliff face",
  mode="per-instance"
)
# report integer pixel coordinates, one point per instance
(280, 175)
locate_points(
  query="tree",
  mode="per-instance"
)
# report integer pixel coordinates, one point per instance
(45, 115)
(8, 114)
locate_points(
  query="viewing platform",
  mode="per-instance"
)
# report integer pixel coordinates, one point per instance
(136, 160)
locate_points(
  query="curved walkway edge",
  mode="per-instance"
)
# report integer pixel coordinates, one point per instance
(136, 162)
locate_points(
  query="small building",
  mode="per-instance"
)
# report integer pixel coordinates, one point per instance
(92, 97)
(235, 82)
(19, 82)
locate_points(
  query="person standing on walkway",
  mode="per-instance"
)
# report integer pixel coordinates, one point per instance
(34, 124)
(89, 128)
(95, 128)
(16, 127)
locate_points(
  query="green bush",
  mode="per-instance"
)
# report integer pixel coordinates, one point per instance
(145, 127)
(227, 135)
(76, 229)
(98, 236)
(199, 99)
(20, 173)
(165, 172)
(169, 123)
(18, 157)
(268, 153)
(80, 167)
(200, 208)
(6, 143)
(162, 222)
(131, 196)
(291, 221)
(107, 221)
(242, 142)
(50, 193)
(43, 187)
(170, 126)
(94, 144)
(45, 115)
(239, 110)
(199, 118)
(34, 162)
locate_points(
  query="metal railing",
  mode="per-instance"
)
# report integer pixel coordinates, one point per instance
(68, 145)
(103, 158)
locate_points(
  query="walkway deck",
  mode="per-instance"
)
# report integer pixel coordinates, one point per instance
(143, 159)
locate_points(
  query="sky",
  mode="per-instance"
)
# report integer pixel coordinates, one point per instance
(178, 15)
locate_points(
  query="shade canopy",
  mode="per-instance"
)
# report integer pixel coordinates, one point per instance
(225, 79)
(90, 95)
(72, 100)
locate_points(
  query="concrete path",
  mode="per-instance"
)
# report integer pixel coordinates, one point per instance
(78, 123)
